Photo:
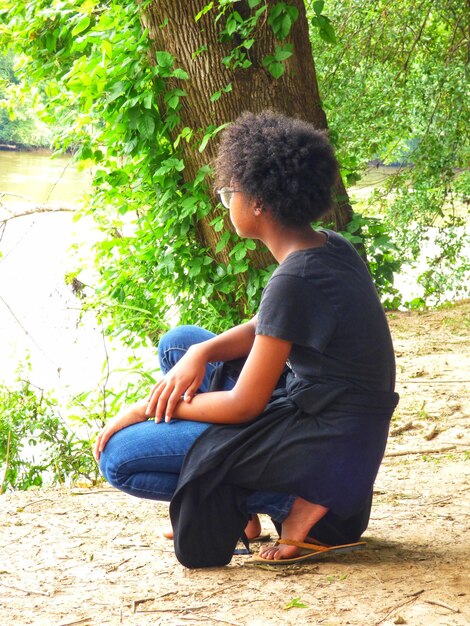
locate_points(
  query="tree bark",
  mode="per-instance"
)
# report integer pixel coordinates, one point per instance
(173, 28)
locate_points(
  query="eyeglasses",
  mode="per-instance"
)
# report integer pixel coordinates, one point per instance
(226, 195)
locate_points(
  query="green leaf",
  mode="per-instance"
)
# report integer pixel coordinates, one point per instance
(295, 603)
(180, 73)
(203, 11)
(204, 142)
(164, 59)
(199, 51)
(146, 126)
(276, 69)
(81, 26)
(148, 100)
(327, 32)
(285, 26)
(318, 6)
(202, 172)
(194, 271)
(232, 23)
(172, 102)
(223, 242)
(283, 52)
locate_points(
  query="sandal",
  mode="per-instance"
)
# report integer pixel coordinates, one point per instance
(308, 551)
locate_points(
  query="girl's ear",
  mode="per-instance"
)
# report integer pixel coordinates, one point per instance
(258, 208)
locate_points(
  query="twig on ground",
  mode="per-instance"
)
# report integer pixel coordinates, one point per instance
(445, 606)
(178, 610)
(36, 502)
(113, 568)
(91, 492)
(78, 621)
(432, 432)
(430, 381)
(136, 603)
(428, 451)
(28, 591)
(221, 590)
(401, 429)
(398, 606)
(210, 618)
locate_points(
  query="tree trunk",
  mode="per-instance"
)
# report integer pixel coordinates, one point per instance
(173, 28)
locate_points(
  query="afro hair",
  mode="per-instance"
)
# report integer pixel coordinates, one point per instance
(285, 163)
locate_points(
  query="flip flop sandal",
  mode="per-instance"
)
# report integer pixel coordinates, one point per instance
(308, 551)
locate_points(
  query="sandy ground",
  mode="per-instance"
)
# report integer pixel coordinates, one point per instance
(89, 557)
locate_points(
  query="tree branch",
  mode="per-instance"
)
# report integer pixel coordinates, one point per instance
(38, 209)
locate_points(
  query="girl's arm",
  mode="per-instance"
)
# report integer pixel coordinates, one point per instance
(243, 403)
(186, 376)
(232, 344)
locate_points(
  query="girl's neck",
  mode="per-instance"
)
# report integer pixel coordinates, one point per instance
(283, 241)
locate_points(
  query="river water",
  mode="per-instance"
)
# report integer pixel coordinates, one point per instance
(39, 315)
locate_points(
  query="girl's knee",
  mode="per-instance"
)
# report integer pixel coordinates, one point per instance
(107, 468)
(174, 343)
(111, 459)
(175, 337)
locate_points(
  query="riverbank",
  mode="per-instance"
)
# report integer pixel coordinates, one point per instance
(7, 146)
(92, 557)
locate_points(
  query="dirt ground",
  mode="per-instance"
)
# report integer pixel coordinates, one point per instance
(92, 557)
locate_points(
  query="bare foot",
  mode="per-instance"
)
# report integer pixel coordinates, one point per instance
(303, 515)
(252, 529)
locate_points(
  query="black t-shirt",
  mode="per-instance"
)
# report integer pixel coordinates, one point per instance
(324, 301)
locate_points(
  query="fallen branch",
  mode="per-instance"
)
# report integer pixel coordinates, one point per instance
(136, 603)
(401, 429)
(91, 492)
(113, 568)
(445, 606)
(222, 590)
(430, 381)
(35, 502)
(178, 610)
(428, 451)
(78, 621)
(398, 606)
(28, 591)
(432, 432)
(212, 619)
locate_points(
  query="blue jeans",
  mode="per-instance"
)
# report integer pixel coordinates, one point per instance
(145, 459)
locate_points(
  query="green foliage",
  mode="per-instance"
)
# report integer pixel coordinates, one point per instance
(18, 126)
(383, 256)
(35, 444)
(323, 23)
(393, 85)
(39, 446)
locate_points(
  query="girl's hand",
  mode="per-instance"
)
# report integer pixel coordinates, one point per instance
(133, 415)
(183, 380)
